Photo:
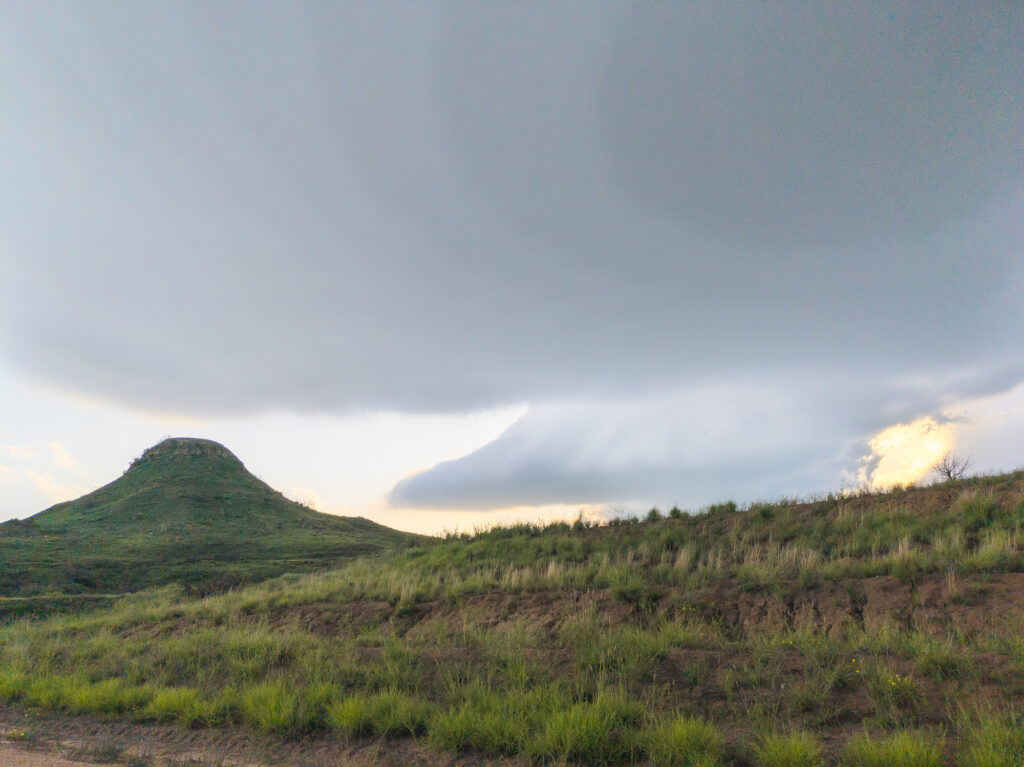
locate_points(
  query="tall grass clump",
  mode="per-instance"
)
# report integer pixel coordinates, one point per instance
(80, 696)
(387, 713)
(109, 696)
(12, 685)
(992, 740)
(685, 742)
(278, 706)
(493, 721)
(902, 749)
(184, 705)
(494, 731)
(601, 731)
(897, 698)
(797, 749)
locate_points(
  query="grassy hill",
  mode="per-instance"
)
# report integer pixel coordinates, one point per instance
(873, 629)
(187, 511)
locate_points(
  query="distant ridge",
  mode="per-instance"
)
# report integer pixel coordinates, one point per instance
(186, 511)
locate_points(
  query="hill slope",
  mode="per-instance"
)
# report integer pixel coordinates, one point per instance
(186, 511)
(873, 629)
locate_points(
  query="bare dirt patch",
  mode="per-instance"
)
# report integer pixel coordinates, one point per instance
(21, 756)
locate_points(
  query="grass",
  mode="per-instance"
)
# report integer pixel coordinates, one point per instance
(390, 713)
(796, 749)
(901, 749)
(685, 741)
(992, 739)
(598, 731)
(763, 636)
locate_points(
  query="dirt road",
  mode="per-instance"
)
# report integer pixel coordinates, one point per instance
(19, 756)
(32, 738)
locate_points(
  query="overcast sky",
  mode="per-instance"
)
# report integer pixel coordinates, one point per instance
(446, 263)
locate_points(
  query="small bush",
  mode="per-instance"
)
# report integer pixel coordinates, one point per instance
(685, 742)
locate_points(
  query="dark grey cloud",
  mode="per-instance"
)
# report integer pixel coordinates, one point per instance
(800, 128)
(231, 207)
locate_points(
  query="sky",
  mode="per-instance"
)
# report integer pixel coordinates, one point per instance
(449, 264)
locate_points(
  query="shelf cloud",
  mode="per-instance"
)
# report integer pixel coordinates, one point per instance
(696, 238)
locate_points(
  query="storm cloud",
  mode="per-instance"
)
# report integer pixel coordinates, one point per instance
(617, 213)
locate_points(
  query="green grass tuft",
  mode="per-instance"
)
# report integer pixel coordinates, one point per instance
(797, 749)
(685, 742)
(902, 749)
(388, 713)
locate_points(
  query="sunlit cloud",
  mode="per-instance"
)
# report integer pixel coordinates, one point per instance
(61, 456)
(303, 495)
(53, 489)
(441, 521)
(20, 452)
(905, 452)
(6, 475)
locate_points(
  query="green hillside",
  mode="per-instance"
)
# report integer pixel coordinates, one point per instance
(861, 630)
(187, 511)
